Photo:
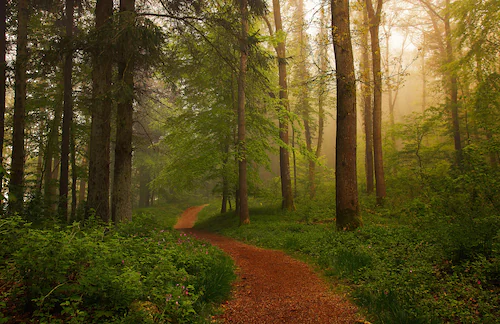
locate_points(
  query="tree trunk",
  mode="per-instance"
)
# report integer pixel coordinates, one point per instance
(286, 181)
(16, 186)
(144, 193)
(323, 66)
(99, 162)
(242, 159)
(348, 217)
(225, 180)
(367, 105)
(374, 17)
(3, 66)
(68, 114)
(453, 87)
(121, 202)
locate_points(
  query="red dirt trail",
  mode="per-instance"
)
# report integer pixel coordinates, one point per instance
(272, 287)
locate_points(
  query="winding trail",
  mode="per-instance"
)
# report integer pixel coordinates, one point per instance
(273, 287)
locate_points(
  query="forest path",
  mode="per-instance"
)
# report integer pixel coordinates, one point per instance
(272, 287)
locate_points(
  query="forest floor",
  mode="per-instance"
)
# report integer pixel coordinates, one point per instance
(272, 287)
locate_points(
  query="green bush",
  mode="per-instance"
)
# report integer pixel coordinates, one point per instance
(97, 274)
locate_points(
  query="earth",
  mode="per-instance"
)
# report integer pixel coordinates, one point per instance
(273, 287)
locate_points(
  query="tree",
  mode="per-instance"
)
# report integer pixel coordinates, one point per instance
(286, 181)
(3, 68)
(121, 200)
(99, 161)
(367, 104)
(242, 158)
(374, 18)
(450, 73)
(347, 209)
(16, 186)
(68, 114)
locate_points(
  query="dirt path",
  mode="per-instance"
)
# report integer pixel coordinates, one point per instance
(273, 287)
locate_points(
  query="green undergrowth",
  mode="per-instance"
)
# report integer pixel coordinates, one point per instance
(408, 265)
(139, 272)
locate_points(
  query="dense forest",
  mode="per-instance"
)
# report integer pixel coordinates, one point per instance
(369, 129)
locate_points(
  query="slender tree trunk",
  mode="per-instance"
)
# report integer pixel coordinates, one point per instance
(303, 97)
(424, 76)
(453, 87)
(50, 174)
(3, 66)
(323, 66)
(348, 217)
(68, 114)
(367, 105)
(286, 181)
(374, 17)
(144, 192)
(16, 186)
(225, 180)
(74, 176)
(99, 162)
(391, 101)
(122, 180)
(242, 163)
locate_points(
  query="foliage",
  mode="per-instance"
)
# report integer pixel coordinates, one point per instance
(432, 257)
(136, 273)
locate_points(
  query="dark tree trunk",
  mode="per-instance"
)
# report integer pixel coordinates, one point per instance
(374, 17)
(286, 181)
(144, 194)
(68, 114)
(3, 65)
(16, 186)
(348, 217)
(121, 202)
(99, 162)
(367, 105)
(242, 163)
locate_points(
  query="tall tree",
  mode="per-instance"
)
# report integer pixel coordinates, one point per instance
(121, 199)
(99, 161)
(323, 66)
(3, 66)
(283, 115)
(347, 209)
(68, 113)
(16, 186)
(367, 103)
(450, 73)
(242, 154)
(374, 15)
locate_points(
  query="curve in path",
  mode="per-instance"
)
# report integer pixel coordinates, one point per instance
(273, 287)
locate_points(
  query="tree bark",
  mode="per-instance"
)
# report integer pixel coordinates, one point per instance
(3, 68)
(16, 186)
(348, 217)
(367, 105)
(242, 158)
(121, 202)
(68, 114)
(99, 161)
(374, 17)
(286, 181)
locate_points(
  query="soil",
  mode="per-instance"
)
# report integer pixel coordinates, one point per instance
(272, 287)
